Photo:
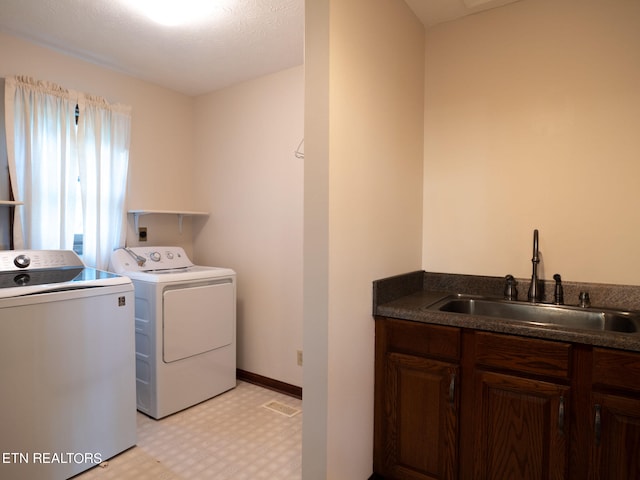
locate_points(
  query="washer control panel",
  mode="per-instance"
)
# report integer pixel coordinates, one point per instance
(12, 260)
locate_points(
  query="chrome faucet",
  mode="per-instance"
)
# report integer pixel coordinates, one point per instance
(534, 291)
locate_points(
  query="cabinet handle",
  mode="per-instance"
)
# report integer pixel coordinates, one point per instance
(561, 415)
(452, 389)
(598, 425)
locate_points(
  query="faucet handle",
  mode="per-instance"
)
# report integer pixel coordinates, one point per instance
(510, 290)
(558, 293)
(584, 300)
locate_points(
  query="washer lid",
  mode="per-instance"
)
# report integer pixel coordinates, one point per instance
(28, 272)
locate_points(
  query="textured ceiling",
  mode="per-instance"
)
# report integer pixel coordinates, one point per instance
(240, 40)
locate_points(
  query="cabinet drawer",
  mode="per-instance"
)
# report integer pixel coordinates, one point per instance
(525, 355)
(423, 339)
(613, 368)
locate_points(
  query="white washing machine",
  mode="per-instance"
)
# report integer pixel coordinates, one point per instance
(67, 375)
(185, 317)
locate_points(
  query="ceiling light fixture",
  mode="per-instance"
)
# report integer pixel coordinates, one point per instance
(174, 12)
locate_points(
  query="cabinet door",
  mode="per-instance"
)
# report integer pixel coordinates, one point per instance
(615, 437)
(420, 438)
(521, 428)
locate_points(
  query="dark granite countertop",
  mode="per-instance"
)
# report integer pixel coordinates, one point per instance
(409, 297)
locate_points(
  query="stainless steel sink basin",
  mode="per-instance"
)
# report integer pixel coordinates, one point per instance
(543, 314)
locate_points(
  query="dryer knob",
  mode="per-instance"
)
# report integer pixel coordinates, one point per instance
(22, 261)
(155, 256)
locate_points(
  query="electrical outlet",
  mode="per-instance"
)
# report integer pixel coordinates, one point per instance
(299, 352)
(142, 234)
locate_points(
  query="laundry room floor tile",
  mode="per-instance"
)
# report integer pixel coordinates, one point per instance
(229, 437)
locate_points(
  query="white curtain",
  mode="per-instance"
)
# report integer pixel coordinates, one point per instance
(42, 155)
(47, 154)
(103, 139)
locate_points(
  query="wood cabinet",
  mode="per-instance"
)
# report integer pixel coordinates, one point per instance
(416, 401)
(520, 402)
(615, 437)
(520, 431)
(454, 403)
(615, 411)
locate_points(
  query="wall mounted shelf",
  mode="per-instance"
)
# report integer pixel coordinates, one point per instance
(179, 213)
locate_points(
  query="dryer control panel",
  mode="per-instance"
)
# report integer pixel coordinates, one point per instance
(147, 259)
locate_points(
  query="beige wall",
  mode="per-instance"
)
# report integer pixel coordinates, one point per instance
(532, 114)
(161, 131)
(246, 174)
(229, 153)
(363, 190)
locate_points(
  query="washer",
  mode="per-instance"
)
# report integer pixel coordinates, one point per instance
(185, 317)
(67, 365)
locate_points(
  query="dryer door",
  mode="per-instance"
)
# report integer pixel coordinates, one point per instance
(198, 319)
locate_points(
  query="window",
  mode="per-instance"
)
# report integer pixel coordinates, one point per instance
(68, 154)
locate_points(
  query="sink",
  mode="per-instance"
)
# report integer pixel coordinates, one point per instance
(543, 314)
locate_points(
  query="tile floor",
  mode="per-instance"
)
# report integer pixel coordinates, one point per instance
(230, 437)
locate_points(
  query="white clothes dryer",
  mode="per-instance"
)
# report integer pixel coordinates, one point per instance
(185, 317)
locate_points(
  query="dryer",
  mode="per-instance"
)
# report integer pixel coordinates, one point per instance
(185, 328)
